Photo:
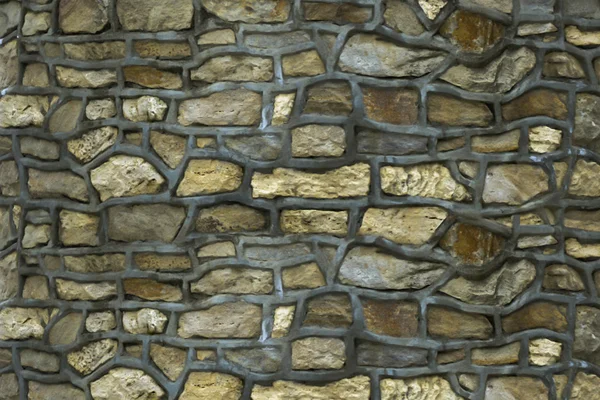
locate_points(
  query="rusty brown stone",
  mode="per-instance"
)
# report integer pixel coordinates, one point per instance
(471, 32)
(329, 311)
(471, 244)
(536, 315)
(442, 109)
(150, 77)
(338, 13)
(454, 324)
(391, 317)
(149, 289)
(537, 102)
(393, 106)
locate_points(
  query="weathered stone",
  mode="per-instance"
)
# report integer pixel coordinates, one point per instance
(144, 321)
(401, 17)
(514, 184)
(235, 281)
(305, 276)
(212, 385)
(227, 320)
(544, 352)
(39, 360)
(144, 109)
(217, 37)
(471, 32)
(9, 178)
(254, 11)
(347, 181)
(86, 291)
(372, 55)
(332, 310)
(259, 359)
(66, 330)
(426, 388)
(236, 68)
(582, 219)
(273, 41)
(282, 108)
(391, 105)
(423, 180)
(544, 139)
(36, 287)
(18, 111)
(9, 63)
(126, 384)
(576, 249)
(170, 360)
(57, 184)
(562, 277)
(230, 218)
(217, 250)
(404, 225)
(102, 321)
(57, 391)
(529, 29)
(36, 235)
(329, 98)
(206, 143)
(583, 182)
(90, 357)
(65, 117)
(503, 142)
(158, 222)
(442, 110)
(587, 341)
(391, 317)
(170, 148)
(562, 65)
(238, 107)
(536, 315)
(314, 221)
(537, 102)
(471, 245)
(582, 38)
(92, 263)
(389, 356)
(162, 262)
(207, 176)
(22, 323)
(126, 176)
(155, 15)
(530, 241)
(264, 147)
(522, 387)
(74, 78)
(283, 317)
(501, 355)
(36, 22)
(306, 63)
(376, 142)
(40, 148)
(442, 322)
(110, 50)
(78, 229)
(148, 289)
(498, 289)
(10, 15)
(9, 284)
(36, 75)
(586, 132)
(276, 253)
(337, 13)
(86, 16)
(162, 50)
(356, 388)
(318, 353)
(498, 76)
(153, 78)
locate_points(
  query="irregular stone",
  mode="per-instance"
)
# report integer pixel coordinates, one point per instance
(264, 147)
(329, 98)
(9, 178)
(273, 41)
(376, 142)
(503, 142)
(340, 14)
(498, 76)
(212, 385)
(537, 6)
(260, 359)
(234, 281)
(36, 75)
(432, 8)
(36, 235)
(355, 388)
(36, 22)
(411, 225)
(66, 330)
(217, 37)
(126, 384)
(78, 229)
(65, 117)
(228, 320)
(544, 139)
(318, 353)
(144, 321)
(148, 289)
(276, 253)
(90, 357)
(217, 250)
(333, 310)
(426, 388)
(306, 63)
(529, 29)
(471, 32)
(514, 184)
(537, 102)
(73, 78)
(521, 387)
(10, 15)
(57, 391)
(36, 287)
(347, 181)
(441, 322)
(149, 222)
(501, 355)
(587, 341)
(102, 321)
(562, 277)
(314, 221)
(305, 276)
(239, 107)
(391, 317)
(451, 356)
(18, 111)
(389, 356)
(85, 291)
(498, 289)
(87, 16)
(282, 108)
(162, 50)
(170, 148)
(586, 132)
(153, 78)
(283, 317)
(39, 360)
(230, 218)
(399, 16)
(391, 105)
(372, 55)
(155, 15)
(18, 323)
(526, 242)
(581, 250)
(144, 109)
(110, 50)
(170, 360)
(92, 263)
(207, 176)
(40, 148)
(57, 184)
(126, 176)
(544, 352)
(9, 284)
(442, 110)
(318, 141)
(585, 386)
(162, 262)
(471, 245)
(582, 219)
(235, 68)
(562, 65)
(9, 63)
(583, 182)
(536, 315)
(255, 11)
(580, 38)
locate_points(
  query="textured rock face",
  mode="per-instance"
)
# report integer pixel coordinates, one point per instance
(85, 16)
(22, 111)
(57, 184)
(145, 108)
(236, 281)
(318, 353)
(144, 321)
(230, 218)
(155, 16)
(442, 110)
(314, 221)
(212, 385)
(536, 315)
(427, 388)
(379, 355)
(382, 316)
(586, 132)
(92, 356)
(392, 106)
(235, 68)
(514, 184)
(127, 384)
(22, 323)
(356, 388)
(442, 322)
(144, 222)
(210, 176)
(330, 139)
(43, 391)
(537, 102)
(233, 107)
(516, 387)
(587, 326)
(252, 11)
(228, 320)
(471, 32)
(471, 245)
(329, 311)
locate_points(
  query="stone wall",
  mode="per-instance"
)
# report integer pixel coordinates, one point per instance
(291, 199)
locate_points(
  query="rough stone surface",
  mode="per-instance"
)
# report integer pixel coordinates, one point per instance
(144, 321)
(329, 311)
(78, 228)
(207, 176)
(514, 184)
(57, 184)
(43, 391)
(252, 11)
(392, 106)
(126, 384)
(155, 15)
(562, 65)
(85, 16)
(330, 141)
(400, 16)
(212, 385)
(21, 111)
(471, 32)
(230, 218)
(536, 315)
(231, 107)
(90, 357)
(442, 110)
(314, 221)
(356, 388)
(230, 320)
(318, 353)
(427, 388)
(235, 281)
(73, 78)
(235, 68)
(170, 360)
(144, 222)
(95, 50)
(587, 343)
(516, 387)
(537, 102)
(145, 108)
(383, 317)
(18, 323)
(586, 132)
(442, 322)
